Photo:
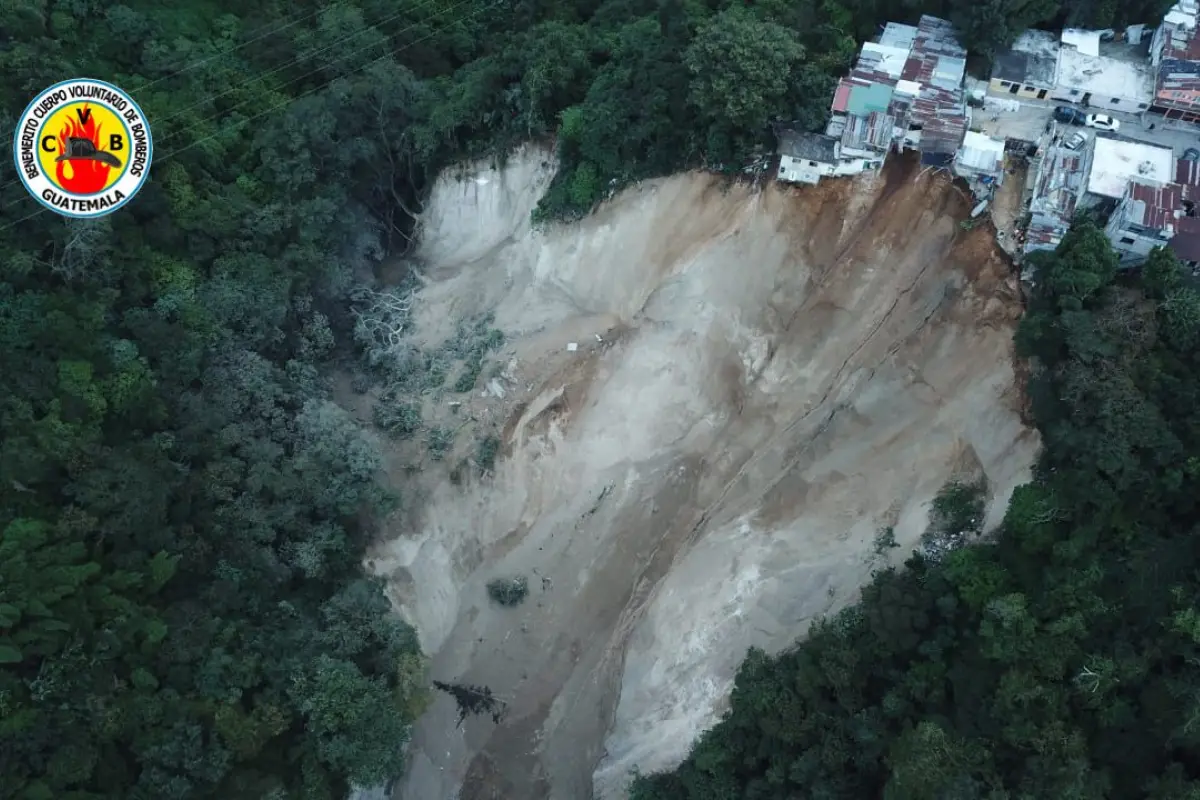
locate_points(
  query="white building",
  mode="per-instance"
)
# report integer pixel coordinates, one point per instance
(808, 157)
(980, 161)
(1116, 162)
(1121, 80)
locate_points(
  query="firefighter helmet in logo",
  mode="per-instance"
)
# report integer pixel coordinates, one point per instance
(83, 148)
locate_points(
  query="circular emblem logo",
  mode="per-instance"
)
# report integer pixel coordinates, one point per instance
(83, 148)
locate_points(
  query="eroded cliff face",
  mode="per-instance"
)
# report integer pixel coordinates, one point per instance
(762, 380)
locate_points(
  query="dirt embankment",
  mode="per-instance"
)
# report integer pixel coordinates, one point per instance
(762, 380)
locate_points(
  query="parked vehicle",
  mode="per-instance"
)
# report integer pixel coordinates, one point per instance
(1074, 141)
(1102, 122)
(1191, 154)
(1069, 116)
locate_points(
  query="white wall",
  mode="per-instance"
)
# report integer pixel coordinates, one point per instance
(797, 170)
(1130, 246)
(1099, 102)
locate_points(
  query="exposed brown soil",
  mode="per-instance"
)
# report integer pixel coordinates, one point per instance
(762, 380)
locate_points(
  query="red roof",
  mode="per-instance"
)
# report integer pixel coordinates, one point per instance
(1178, 84)
(1187, 172)
(1161, 203)
(841, 97)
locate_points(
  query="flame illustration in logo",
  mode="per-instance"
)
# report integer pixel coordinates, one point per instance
(79, 175)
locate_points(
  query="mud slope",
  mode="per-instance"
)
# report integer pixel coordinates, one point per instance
(762, 381)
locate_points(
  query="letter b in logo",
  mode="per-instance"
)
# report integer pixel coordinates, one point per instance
(116, 142)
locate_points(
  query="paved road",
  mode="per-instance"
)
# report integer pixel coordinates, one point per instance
(1029, 122)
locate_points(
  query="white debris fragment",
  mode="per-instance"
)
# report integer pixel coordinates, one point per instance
(572, 347)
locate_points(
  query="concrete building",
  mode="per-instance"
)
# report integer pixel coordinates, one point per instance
(980, 161)
(1113, 76)
(1116, 162)
(808, 157)
(905, 91)
(1059, 183)
(1186, 241)
(1175, 56)
(1028, 70)
(1148, 216)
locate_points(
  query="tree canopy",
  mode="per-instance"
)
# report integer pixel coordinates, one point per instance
(182, 507)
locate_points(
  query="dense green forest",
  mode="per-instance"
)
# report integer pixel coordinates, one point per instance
(1059, 660)
(183, 510)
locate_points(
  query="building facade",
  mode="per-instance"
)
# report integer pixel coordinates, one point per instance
(1175, 56)
(807, 157)
(1027, 71)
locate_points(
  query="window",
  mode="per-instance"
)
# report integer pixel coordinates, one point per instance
(1126, 240)
(1006, 84)
(1031, 88)
(812, 163)
(1074, 93)
(1116, 101)
(1042, 94)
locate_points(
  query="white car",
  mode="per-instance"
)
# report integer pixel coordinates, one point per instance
(1102, 122)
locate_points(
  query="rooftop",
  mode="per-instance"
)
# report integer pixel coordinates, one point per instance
(1179, 27)
(1178, 80)
(1057, 188)
(1116, 162)
(1187, 173)
(981, 153)
(1105, 75)
(865, 99)
(884, 58)
(809, 146)
(1033, 60)
(1085, 42)
(873, 131)
(1183, 15)
(937, 64)
(896, 34)
(1155, 206)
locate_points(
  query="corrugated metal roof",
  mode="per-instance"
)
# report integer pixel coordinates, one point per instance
(938, 63)
(981, 153)
(1178, 82)
(897, 34)
(1058, 185)
(809, 146)
(869, 98)
(1155, 206)
(870, 131)
(841, 96)
(1187, 172)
